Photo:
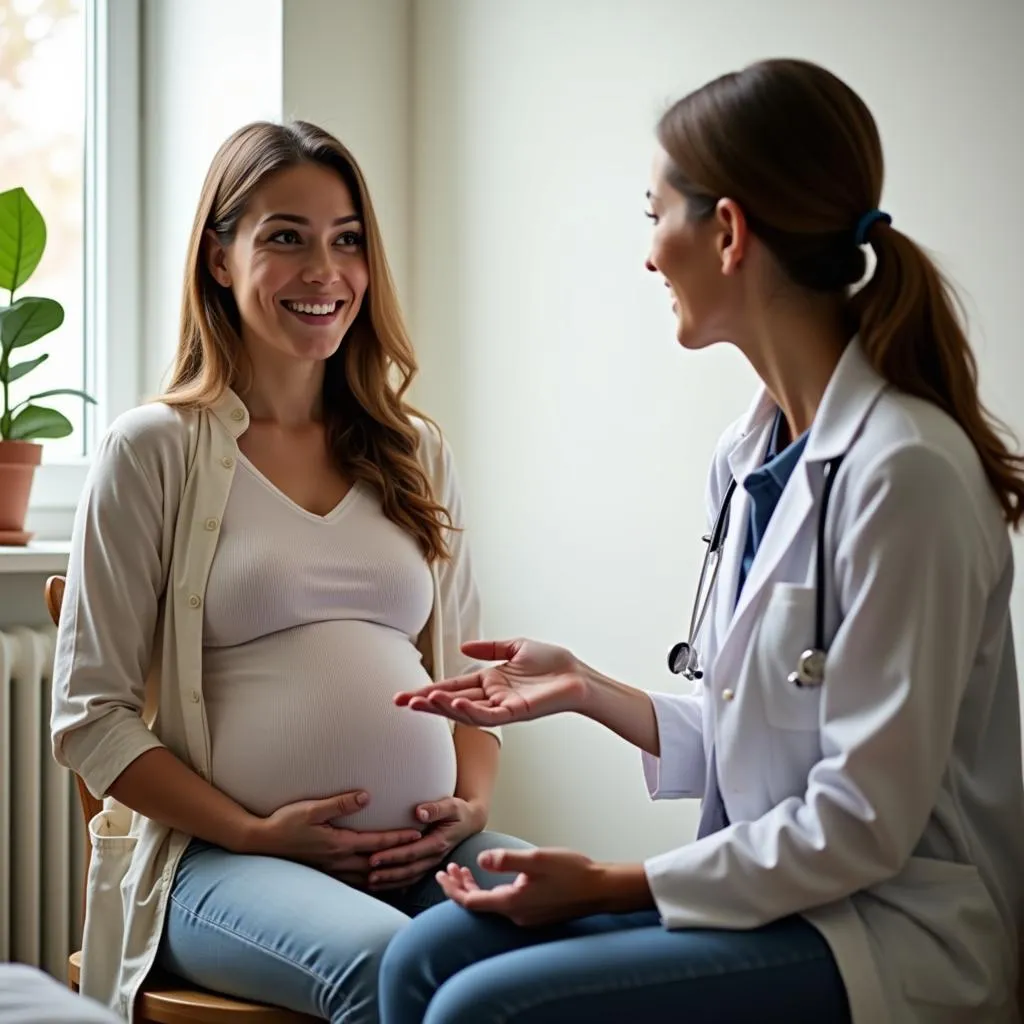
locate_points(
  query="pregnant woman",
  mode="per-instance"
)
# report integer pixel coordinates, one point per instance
(260, 560)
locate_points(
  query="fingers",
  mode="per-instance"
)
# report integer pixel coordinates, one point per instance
(372, 842)
(500, 900)
(393, 878)
(468, 682)
(433, 845)
(491, 650)
(352, 867)
(456, 882)
(439, 810)
(470, 710)
(338, 806)
(500, 861)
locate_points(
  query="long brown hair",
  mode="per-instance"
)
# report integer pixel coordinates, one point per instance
(369, 425)
(799, 151)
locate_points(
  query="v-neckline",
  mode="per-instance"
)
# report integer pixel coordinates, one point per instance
(274, 489)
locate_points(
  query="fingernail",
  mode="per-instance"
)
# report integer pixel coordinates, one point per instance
(423, 815)
(362, 798)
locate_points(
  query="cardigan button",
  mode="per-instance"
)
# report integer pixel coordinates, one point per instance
(227, 462)
(211, 523)
(238, 415)
(194, 696)
(194, 600)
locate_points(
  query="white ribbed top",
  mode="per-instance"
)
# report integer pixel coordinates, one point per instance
(309, 631)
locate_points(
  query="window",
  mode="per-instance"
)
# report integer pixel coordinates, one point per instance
(42, 147)
(69, 134)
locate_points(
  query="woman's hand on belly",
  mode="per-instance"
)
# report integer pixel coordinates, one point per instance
(449, 822)
(302, 832)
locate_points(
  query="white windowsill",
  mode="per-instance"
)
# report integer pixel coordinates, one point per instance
(38, 557)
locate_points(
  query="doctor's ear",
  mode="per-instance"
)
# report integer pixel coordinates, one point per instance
(733, 235)
(216, 259)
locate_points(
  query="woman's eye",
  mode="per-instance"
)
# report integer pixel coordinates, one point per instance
(286, 236)
(350, 240)
(651, 216)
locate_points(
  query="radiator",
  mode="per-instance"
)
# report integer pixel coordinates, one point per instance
(41, 831)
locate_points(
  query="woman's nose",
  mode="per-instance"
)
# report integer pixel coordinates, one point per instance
(321, 267)
(650, 265)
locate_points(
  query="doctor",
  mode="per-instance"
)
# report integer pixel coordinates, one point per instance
(853, 726)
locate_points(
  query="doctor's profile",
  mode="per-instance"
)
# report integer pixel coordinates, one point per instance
(848, 710)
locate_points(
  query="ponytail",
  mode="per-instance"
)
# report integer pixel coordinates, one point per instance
(910, 326)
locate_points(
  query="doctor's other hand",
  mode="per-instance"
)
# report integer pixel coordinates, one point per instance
(551, 886)
(532, 680)
(303, 832)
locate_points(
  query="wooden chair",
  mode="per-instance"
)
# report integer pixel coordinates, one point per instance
(165, 999)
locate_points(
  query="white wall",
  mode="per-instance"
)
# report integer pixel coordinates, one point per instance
(583, 432)
(347, 68)
(208, 68)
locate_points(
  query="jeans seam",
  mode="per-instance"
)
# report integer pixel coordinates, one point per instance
(224, 929)
(665, 979)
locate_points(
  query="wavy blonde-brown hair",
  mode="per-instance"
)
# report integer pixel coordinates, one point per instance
(369, 423)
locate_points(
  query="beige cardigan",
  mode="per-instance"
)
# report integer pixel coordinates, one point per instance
(144, 539)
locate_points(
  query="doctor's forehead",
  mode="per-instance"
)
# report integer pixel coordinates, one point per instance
(659, 188)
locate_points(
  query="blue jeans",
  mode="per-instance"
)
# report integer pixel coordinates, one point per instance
(454, 967)
(279, 932)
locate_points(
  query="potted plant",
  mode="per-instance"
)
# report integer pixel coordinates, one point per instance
(22, 424)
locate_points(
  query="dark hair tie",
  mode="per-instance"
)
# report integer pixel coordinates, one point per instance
(865, 224)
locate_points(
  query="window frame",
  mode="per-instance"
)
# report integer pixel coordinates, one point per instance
(112, 291)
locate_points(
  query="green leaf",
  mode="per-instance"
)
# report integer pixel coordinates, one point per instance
(62, 391)
(28, 320)
(18, 370)
(22, 238)
(35, 422)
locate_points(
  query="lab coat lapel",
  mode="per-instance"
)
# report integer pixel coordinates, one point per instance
(849, 397)
(743, 459)
(791, 516)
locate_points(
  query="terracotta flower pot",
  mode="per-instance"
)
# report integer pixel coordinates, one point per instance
(18, 461)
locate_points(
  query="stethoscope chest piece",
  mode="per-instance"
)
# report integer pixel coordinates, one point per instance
(682, 660)
(810, 668)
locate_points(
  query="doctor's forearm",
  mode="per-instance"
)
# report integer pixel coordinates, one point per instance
(624, 709)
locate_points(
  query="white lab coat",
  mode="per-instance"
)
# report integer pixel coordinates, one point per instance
(887, 805)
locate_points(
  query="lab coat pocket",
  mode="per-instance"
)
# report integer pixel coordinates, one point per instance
(786, 631)
(113, 847)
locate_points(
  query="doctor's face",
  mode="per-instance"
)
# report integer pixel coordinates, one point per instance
(692, 256)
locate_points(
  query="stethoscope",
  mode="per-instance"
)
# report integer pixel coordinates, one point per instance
(810, 667)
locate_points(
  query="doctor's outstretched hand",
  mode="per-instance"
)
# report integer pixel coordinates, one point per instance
(532, 680)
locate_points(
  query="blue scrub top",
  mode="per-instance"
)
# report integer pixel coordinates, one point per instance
(765, 486)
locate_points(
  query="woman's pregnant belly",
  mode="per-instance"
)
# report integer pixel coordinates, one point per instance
(307, 713)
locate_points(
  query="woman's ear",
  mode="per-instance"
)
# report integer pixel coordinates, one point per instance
(216, 259)
(733, 235)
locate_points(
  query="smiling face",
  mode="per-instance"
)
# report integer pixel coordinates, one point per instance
(296, 266)
(699, 259)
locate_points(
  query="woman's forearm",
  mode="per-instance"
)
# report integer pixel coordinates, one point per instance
(160, 786)
(624, 709)
(476, 758)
